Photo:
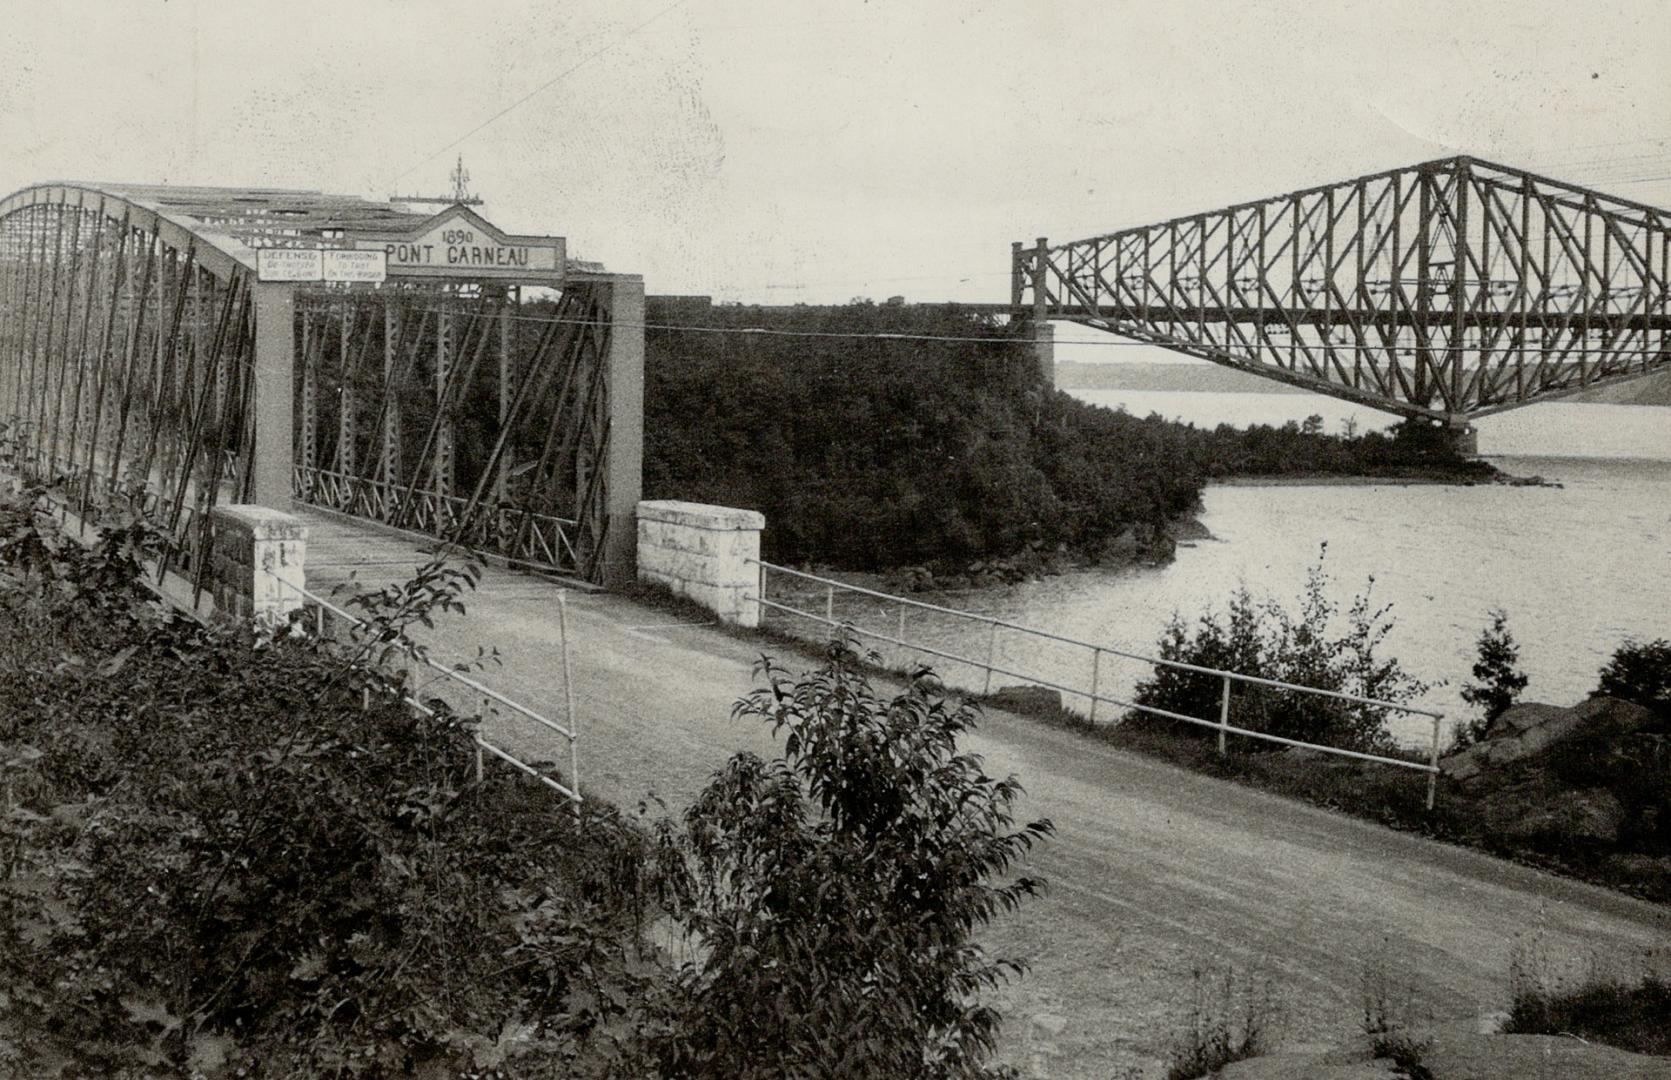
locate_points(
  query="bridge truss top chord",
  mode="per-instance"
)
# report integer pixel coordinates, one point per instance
(1447, 290)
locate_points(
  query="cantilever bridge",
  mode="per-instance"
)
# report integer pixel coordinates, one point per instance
(1447, 290)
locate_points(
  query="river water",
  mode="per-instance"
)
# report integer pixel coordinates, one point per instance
(1578, 568)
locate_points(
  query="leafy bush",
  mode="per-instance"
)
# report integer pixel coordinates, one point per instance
(1263, 639)
(1640, 672)
(218, 859)
(1499, 680)
(837, 889)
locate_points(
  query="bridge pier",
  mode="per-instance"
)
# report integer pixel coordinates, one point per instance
(1044, 351)
(1464, 437)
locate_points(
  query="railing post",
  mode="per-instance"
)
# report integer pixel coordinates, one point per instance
(1224, 719)
(991, 654)
(829, 604)
(901, 634)
(760, 598)
(568, 697)
(1096, 676)
(1433, 760)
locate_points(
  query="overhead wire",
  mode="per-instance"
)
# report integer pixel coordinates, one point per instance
(538, 90)
(759, 331)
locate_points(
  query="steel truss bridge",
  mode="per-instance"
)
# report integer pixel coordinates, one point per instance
(144, 363)
(1448, 290)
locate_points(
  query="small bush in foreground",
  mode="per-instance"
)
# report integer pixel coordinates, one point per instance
(1230, 1019)
(837, 888)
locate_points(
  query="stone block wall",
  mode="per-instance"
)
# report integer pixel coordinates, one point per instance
(702, 553)
(258, 560)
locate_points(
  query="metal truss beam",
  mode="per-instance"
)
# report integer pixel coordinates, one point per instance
(1446, 290)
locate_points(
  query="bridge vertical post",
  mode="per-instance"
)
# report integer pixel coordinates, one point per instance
(274, 384)
(623, 296)
(1044, 334)
(1041, 258)
(391, 466)
(441, 471)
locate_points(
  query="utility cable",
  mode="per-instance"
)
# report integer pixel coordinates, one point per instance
(540, 89)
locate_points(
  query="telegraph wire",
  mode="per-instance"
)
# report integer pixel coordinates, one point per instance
(761, 331)
(540, 89)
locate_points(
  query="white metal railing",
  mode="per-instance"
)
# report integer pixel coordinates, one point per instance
(1094, 692)
(324, 610)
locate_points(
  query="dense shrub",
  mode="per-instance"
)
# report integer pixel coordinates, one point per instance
(873, 452)
(1262, 638)
(217, 859)
(1640, 672)
(838, 887)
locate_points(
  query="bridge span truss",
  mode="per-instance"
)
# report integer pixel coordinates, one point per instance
(149, 361)
(126, 358)
(1447, 290)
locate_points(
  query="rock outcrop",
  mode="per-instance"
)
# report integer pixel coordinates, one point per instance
(1588, 784)
(1530, 728)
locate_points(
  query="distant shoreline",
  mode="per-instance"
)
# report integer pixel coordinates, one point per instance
(1338, 480)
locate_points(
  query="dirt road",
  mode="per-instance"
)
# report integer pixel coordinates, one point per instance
(1154, 871)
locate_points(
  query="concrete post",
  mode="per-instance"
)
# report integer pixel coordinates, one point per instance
(624, 464)
(275, 360)
(257, 562)
(709, 554)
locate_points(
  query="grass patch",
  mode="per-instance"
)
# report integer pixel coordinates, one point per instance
(1230, 1019)
(1390, 1016)
(1628, 1011)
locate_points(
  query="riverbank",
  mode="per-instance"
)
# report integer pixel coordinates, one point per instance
(1469, 815)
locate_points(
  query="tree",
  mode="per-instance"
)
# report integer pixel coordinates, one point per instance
(836, 888)
(1498, 681)
(1640, 672)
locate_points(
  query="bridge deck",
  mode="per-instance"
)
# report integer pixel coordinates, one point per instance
(1153, 868)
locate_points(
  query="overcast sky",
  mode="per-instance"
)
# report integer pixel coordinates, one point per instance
(823, 149)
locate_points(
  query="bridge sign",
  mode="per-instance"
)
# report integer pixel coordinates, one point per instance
(289, 264)
(458, 242)
(361, 266)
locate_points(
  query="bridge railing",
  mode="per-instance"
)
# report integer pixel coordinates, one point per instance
(541, 540)
(322, 613)
(1092, 690)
